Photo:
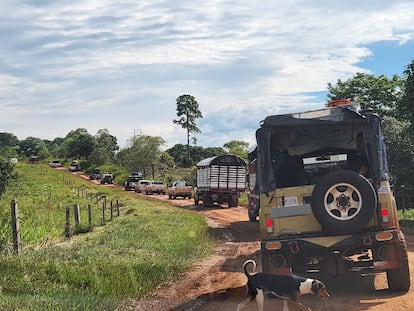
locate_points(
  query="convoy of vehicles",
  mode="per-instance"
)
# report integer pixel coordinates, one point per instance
(180, 188)
(220, 179)
(318, 212)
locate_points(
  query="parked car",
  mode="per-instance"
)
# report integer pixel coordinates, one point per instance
(155, 186)
(55, 164)
(140, 186)
(96, 174)
(107, 178)
(180, 188)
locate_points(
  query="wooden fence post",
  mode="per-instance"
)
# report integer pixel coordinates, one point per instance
(15, 226)
(89, 215)
(112, 211)
(76, 214)
(68, 231)
(103, 212)
(117, 208)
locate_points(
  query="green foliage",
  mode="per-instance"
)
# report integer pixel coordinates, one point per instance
(378, 93)
(179, 153)
(238, 148)
(144, 155)
(79, 144)
(406, 106)
(6, 174)
(152, 242)
(400, 151)
(34, 146)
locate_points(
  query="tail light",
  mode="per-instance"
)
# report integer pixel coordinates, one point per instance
(384, 213)
(269, 223)
(384, 236)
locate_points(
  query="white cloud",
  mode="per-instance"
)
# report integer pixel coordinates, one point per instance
(120, 64)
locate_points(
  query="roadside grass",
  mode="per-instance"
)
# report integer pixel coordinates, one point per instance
(151, 243)
(406, 218)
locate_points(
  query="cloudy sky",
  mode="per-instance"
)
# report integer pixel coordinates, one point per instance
(121, 64)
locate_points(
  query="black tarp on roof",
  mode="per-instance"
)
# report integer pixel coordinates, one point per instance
(315, 129)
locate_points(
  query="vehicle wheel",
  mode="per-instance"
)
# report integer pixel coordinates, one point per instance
(343, 202)
(399, 279)
(189, 197)
(207, 201)
(170, 196)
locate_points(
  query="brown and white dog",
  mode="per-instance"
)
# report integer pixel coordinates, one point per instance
(288, 287)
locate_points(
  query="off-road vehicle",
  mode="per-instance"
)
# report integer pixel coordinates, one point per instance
(318, 212)
(107, 178)
(132, 180)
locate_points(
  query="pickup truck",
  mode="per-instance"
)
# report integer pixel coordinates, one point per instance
(132, 181)
(96, 174)
(155, 187)
(55, 164)
(180, 189)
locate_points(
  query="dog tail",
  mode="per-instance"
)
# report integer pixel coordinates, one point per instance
(246, 263)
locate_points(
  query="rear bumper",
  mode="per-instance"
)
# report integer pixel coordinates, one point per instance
(311, 251)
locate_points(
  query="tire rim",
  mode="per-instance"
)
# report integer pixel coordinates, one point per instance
(343, 201)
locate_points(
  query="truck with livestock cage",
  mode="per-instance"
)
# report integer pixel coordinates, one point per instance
(220, 179)
(326, 198)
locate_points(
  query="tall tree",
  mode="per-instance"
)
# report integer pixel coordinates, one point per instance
(188, 112)
(8, 139)
(33, 146)
(79, 144)
(406, 106)
(378, 93)
(105, 147)
(143, 155)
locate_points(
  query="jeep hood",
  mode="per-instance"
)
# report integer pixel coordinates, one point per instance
(308, 132)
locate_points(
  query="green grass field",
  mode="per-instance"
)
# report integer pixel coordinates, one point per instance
(150, 243)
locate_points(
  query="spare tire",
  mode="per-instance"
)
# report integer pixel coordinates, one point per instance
(343, 202)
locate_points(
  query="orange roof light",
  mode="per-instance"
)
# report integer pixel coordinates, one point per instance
(339, 102)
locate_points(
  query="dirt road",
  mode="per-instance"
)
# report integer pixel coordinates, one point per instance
(217, 283)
